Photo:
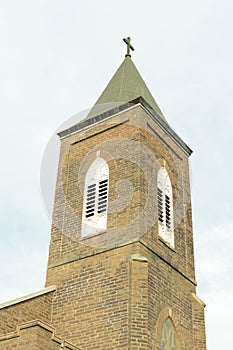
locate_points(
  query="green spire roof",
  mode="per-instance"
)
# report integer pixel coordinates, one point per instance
(125, 86)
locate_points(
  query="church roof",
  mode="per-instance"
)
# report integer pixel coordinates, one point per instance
(126, 89)
(125, 85)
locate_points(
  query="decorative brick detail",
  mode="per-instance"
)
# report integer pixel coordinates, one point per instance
(39, 307)
(34, 335)
(138, 303)
(167, 312)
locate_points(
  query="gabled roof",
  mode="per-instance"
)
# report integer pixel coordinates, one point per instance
(126, 85)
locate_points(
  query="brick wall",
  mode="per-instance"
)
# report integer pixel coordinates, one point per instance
(32, 309)
(134, 147)
(198, 324)
(34, 335)
(91, 304)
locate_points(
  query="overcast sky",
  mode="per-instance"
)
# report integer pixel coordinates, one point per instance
(56, 58)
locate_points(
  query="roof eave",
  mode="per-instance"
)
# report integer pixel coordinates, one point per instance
(139, 100)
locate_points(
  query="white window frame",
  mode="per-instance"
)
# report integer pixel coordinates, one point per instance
(165, 207)
(95, 203)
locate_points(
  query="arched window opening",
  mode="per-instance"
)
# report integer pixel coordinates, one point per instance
(168, 336)
(165, 207)
(95, 198)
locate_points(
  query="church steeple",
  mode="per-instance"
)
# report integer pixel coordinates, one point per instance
(126, 85)
(121, 251)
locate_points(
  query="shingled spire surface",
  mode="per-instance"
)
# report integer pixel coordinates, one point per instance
(126, 85)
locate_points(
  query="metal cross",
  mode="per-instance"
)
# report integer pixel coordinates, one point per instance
(129, 46)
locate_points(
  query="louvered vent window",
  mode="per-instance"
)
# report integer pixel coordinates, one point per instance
(91, 194)
(103, 196)
(160, 205)
(168, 211)
(165, 207)
(95, 198)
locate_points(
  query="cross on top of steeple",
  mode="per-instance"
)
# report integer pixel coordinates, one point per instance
(129, 46)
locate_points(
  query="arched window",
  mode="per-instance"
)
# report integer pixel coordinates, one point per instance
(95, 198)
(168, 337)
(165, 207)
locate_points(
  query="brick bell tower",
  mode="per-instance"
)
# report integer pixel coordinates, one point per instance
(121, 251)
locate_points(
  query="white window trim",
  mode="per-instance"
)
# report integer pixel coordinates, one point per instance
(165, 207)
(96, 185)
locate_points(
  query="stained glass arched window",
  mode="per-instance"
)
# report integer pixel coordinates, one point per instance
(168, 337)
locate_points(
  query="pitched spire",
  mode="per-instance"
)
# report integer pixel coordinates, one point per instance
(126, 85)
